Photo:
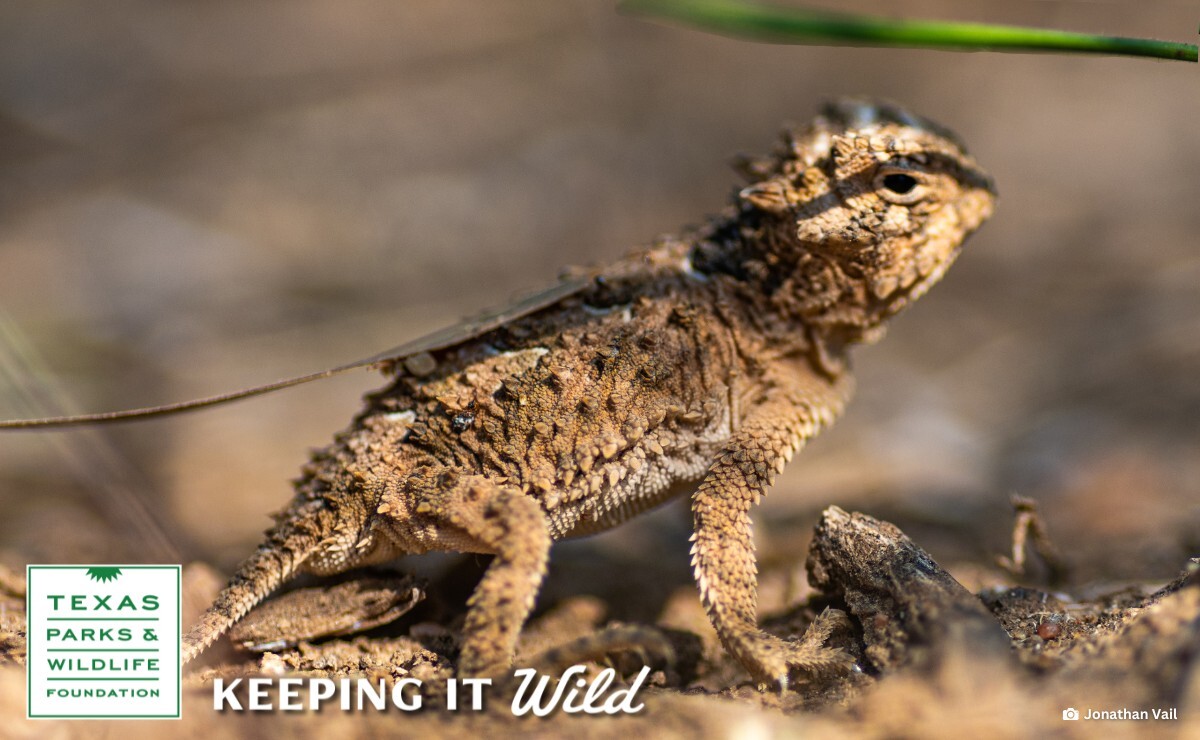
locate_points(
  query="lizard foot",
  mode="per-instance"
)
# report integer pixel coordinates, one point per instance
(771, 660)
(649, 645)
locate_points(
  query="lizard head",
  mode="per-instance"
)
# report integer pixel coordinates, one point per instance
(871, 204)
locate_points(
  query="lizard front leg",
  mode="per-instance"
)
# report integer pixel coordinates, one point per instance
(795, 408)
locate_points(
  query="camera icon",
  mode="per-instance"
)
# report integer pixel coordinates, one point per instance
(1071, 713)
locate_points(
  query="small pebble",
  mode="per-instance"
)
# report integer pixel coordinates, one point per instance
(1049, 630)
(272, 665)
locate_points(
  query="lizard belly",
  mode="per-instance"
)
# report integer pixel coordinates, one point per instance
(629, 488)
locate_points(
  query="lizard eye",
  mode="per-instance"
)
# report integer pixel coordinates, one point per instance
(899, 186)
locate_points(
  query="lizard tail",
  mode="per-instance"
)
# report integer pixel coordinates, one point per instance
(275, 561)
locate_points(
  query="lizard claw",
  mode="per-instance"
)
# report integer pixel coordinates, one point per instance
(774, 658)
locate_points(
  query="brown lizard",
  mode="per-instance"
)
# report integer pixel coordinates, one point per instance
(700, 364)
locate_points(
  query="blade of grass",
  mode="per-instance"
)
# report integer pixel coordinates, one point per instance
(801, 26)
(115, 486)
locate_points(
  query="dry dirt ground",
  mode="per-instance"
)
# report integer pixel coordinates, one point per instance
(197, 197)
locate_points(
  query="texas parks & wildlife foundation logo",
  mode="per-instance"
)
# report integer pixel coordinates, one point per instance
(103, 641)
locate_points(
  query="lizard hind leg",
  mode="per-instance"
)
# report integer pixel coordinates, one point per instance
(478, 515)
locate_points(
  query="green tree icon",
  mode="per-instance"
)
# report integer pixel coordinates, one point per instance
(104, 574)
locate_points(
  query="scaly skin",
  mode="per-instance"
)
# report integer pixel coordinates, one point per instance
(701, 364)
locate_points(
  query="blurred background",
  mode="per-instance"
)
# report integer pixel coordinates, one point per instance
(200, 196)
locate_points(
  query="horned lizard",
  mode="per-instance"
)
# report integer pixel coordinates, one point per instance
(696, 366)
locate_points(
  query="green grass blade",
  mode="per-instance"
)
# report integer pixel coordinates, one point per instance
(799, 26)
